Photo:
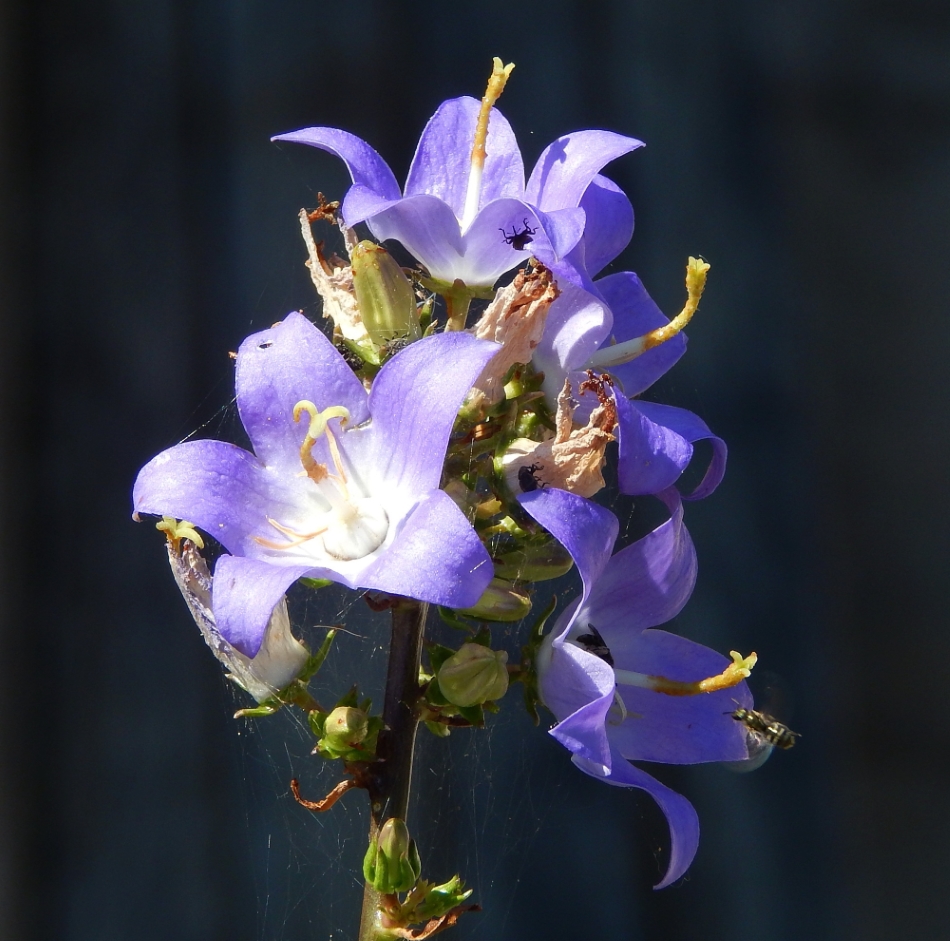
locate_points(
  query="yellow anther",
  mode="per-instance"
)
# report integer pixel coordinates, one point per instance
(318, 426)
(496, 85)
(695, 283)
(733, 675)
(175, 531)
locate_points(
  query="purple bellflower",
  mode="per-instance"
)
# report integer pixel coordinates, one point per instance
(345, 489)
(620, 690)
(601, 325)
(466, 212)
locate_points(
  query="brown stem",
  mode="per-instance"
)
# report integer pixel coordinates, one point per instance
(390, 787)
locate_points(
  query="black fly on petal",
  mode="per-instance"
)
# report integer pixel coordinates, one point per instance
(518, 240)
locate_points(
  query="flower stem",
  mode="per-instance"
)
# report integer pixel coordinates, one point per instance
(389, 795)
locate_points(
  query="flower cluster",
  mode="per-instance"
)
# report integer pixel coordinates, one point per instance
(417, 456)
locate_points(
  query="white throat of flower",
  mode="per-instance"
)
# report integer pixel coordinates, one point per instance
(496, 85)
(347, 525)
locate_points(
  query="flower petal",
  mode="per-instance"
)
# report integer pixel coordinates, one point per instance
(369, 172)
(276, 369)
(677, 729)
(436, 556)
(414, 401)
(586, 530)
(442, 161)
(690, 427)
(244, 593)
(609, 223)
(567, 166)
(579, 689)
(221, 488)
(651, 456)
(428, 229)
(679, 812)
(577, 324)
(648, 582)
(635, 314)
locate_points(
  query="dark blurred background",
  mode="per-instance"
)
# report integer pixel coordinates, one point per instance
(147, 225)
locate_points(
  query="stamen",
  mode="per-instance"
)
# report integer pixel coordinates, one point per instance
(296, 538)
(735, 673)
(319, 424)
(175, 531)
(619, 353)
(496, 85)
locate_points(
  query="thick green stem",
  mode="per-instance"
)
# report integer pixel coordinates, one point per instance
(456, 309)
(389, 794)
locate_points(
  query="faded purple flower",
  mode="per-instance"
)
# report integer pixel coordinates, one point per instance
(354, 497)
(583, 330)
(466, 222)
(601, 667)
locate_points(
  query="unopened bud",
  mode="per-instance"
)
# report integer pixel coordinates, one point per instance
(500, 601)
(439, 900)
(392, 863)
(346, 727)
(535, 563)
(384, 294)
(473, 675)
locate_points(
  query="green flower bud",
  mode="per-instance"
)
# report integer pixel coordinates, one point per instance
(535, 563)
(473, 675)
(500, 601)
(346, 727)
(439, 900)
(384, 294)
(392, 863)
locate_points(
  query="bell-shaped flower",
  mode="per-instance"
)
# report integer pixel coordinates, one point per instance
(466, 212)
(622, 691)
(613, 325)
(343, 484)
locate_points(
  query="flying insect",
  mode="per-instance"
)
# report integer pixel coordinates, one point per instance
(766, 729)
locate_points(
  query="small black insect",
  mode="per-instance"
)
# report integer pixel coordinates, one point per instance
(593, 643)
(765, 727)
(353, 360)
(527, 478)
(517, 240)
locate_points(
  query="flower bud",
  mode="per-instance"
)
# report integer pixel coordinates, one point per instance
(500, 601)
(441, 899)
(384, 294)
(346, 727)
(392, 863)
(473, 675)
(535, 563)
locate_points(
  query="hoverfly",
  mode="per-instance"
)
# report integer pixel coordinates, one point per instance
(766, 729)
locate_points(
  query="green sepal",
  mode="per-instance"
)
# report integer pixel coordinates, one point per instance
(473, 714)
(438, 654)
(438, 900)
(392, 862)
(454, 619)
(438, 729)
(457, 289)
(314, 582)
(316, 660)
